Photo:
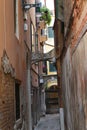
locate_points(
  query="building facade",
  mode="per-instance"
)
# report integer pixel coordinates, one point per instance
(15, 55)
(37, 64)
(59, 45)
(74, 59)
(73, 64)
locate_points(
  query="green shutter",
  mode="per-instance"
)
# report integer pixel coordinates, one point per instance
(37, 9)
(50, 32)
(52, 67)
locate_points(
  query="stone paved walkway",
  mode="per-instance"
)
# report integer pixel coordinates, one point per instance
(49, 122)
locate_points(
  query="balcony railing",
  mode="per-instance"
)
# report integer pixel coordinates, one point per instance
(38, 56)
(43, 38)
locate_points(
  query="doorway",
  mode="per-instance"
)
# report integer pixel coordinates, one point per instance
(51, 99)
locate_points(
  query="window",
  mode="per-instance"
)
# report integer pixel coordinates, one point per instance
(16, 25)
(17, 100)
(42, 32)
(33, 38)
(50, 32)
(38, 7)
(36, 41)
(27, 60)
(45, 67)
(62, 27)
(52, 67)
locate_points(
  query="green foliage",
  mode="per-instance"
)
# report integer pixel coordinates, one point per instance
(46, 15)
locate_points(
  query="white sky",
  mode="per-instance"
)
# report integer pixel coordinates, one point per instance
(49, 4)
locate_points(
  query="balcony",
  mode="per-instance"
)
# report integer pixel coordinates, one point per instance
(42, 25)
(43, 38)
(39, 56)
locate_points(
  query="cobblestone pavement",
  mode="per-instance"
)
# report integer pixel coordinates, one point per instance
(49, 122)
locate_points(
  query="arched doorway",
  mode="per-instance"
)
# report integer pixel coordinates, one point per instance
(51, 99)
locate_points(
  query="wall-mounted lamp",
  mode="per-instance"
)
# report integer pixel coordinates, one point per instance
(41, 80)
(25, 26)
(27, 6)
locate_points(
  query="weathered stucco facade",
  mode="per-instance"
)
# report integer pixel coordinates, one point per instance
(74, 82)
(73, 60)
(74, 70)
(15, 53)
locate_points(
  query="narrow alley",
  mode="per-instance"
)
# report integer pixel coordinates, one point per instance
(49, 122)
(43, 64)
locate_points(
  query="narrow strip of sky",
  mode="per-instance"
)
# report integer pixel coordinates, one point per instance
(49, 4)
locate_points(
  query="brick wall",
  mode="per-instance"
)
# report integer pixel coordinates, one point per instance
(6, 102)
(75, 21)
(68, 7)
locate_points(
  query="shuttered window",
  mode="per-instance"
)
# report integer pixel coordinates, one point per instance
(50, 32)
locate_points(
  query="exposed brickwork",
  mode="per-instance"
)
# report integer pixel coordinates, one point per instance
(6, 102)
(74, 65)
(76, 36)
(78, 21)
(68, 6)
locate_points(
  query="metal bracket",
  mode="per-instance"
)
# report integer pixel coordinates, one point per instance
(26, 6)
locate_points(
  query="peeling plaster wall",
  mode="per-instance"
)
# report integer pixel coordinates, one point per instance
(74, 20)
(74, 81)
(74, 66)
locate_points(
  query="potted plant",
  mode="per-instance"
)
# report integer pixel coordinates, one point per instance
(45, 15)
